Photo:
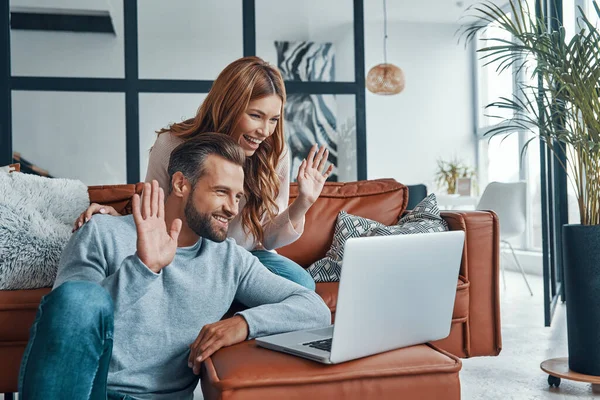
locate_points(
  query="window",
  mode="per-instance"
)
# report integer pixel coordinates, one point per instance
(503, 158)
(534, 189)
(500, 157)
(589, 9)
(569, 15)
(492, 84)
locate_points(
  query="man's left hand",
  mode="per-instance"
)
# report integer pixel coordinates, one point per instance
(214, 336)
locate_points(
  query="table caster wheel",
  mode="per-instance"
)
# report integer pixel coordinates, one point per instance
(553, 381)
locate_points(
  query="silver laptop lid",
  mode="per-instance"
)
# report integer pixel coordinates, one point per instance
(395, 291)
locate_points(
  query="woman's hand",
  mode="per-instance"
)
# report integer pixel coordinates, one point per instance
(94, 208)
(312, 175)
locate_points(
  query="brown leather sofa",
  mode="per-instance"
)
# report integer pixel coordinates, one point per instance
(475, 327)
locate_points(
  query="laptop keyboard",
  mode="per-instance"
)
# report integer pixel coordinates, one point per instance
(324, 344)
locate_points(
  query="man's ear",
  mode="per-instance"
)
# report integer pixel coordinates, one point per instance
(179, 184)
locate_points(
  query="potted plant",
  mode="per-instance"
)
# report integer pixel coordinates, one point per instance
(563, 111)
(449, 172)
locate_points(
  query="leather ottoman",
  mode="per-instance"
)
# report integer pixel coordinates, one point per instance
(246, 371)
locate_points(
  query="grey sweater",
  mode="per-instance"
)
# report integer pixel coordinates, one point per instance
(157, 316)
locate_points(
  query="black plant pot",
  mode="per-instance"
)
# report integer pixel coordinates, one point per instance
(581, 259)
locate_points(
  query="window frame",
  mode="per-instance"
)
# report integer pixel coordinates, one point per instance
(132, 85)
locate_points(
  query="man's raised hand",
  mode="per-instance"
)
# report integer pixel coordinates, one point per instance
(155, 246)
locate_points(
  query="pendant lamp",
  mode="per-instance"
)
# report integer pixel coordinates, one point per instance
(385, 79)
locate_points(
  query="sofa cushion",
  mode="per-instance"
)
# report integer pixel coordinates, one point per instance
(381, 200)
(245, 371)
(117, 196)
(37, 215)
(425, 217)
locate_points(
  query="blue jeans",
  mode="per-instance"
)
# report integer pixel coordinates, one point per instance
(285, 267)
(70, 345)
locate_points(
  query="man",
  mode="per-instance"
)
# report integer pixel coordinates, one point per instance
(133, 292)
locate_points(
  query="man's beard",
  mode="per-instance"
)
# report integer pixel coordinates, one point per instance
(201, 224)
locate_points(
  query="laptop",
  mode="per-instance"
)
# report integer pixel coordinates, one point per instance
(395, 291)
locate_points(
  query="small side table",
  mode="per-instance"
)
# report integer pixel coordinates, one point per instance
(452, 201)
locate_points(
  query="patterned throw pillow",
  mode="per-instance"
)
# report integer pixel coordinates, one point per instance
(425, 217)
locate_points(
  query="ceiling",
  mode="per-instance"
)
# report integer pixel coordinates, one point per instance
(318, 14)
(442, 11)
(336, 11)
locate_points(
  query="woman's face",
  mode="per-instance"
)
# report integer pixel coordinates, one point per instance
(257, 123)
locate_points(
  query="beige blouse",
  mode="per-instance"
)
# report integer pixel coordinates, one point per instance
(277, 233)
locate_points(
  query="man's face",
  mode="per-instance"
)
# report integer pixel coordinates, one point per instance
(214, 201)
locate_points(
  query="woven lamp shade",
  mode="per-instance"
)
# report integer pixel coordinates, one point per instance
(385, 79)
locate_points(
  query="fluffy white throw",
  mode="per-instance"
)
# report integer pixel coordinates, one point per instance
(36, 218)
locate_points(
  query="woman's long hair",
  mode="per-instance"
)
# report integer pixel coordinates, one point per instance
(242, 81)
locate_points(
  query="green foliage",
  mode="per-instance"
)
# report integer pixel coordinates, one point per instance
(563, 110)
(448, 173)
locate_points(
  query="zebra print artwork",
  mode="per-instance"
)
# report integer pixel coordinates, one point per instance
(309, 118)
(306, 61)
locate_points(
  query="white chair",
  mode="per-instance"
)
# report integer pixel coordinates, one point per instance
(508, 201)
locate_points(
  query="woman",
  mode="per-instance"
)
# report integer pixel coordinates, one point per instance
(246, 102)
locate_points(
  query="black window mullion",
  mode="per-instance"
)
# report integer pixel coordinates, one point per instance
(55, 84)
(321, 87)
(561, 209)
(5, 105)
(553, 180)
(173, 86)
(61, 22)
(249, 27)
(132, 104)
(359, 73)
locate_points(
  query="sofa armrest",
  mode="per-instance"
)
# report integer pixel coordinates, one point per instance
(117, 196)
(480, 266)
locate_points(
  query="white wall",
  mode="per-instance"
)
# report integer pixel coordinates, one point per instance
(432, 117)
(158, 110)
(188, 39)
(70, 134)
(309, 20)
(67, 54)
